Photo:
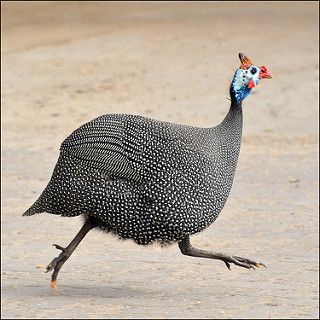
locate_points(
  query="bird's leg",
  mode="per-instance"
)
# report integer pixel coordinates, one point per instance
(58, 262)
(187, 249)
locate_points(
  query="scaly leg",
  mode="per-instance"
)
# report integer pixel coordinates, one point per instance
(187, 249)
(58, 262)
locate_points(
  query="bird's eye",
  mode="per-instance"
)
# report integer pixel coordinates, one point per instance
(253, 70)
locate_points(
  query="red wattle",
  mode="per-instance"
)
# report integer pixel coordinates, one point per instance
(251, 84)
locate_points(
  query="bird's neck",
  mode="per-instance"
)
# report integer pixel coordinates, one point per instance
(233, 119)
(229, 132)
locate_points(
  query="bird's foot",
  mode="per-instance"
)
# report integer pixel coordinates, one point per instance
(57, 263)
(241, 262)
(56, 260)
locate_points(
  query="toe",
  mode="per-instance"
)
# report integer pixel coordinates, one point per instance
(260, 264)
(52, 264)
(53, 284)
(59, 247)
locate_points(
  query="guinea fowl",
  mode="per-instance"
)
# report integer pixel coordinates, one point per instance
(147, 180)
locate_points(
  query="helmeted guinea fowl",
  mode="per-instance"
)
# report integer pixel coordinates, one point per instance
(148, 180)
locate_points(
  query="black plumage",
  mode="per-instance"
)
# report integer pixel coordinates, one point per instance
(146, 180)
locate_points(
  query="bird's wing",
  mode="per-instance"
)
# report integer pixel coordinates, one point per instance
(132, 147)
(107, 145)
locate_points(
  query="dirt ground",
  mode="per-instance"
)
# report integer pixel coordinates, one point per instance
(66, 63)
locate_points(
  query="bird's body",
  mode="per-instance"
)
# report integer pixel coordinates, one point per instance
(144, 179)
(148, 180)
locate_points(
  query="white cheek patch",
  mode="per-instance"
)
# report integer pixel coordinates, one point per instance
(243, 77)
(255, 78)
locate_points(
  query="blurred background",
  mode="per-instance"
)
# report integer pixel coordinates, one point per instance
(65, 63)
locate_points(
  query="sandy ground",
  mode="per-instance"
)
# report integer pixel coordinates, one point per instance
(66, 63)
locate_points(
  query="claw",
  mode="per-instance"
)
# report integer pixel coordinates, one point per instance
(59, 247)
(249, 262)
(53, 284)
(260, 264)
(51, 265)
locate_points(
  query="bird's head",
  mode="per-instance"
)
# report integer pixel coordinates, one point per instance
(246, 77)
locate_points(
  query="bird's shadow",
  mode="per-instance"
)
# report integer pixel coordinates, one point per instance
(78, 291)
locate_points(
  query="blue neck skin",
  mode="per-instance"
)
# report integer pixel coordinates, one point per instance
(237, 95)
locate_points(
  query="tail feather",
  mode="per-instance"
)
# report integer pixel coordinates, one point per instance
(37, 207)
(41, 205)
